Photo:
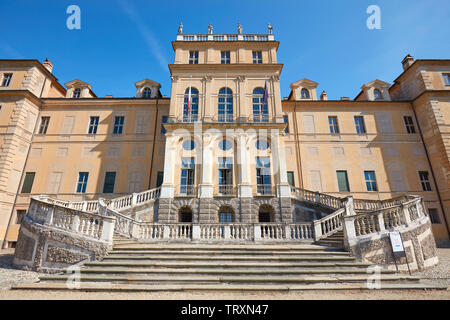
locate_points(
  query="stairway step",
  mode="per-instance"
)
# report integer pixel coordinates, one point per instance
(220, 247)
(224, 271)
(229, 279)
(234, 265)
(228, 258)
(234, 252)
(110, 287)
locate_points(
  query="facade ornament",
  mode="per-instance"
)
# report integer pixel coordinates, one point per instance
(275, 78)
(207, 78)
(239, 28)
(180, 28)
(270, 28)
(210, 29)
(240, 78)
(174, 78)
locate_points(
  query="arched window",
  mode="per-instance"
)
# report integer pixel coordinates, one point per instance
(225, 106)
(305, 93)
(77, 93)
(146, 93)
(377, 94)
(190, 110)
(260, 109)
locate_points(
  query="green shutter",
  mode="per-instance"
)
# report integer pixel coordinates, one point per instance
(28, 182)
(342, 181)
(159, 179)
(110, 178)
(290, 176)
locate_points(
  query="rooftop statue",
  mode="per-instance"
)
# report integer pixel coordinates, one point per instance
(210, 28)
(239, 28)
(270, 28)
(180, 28)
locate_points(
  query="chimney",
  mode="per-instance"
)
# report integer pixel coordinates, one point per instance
(109, 96)
(323, 96)
(407, 62)
(345, 98)
(48, 65)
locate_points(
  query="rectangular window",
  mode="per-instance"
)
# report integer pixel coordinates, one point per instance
(108, 186)
(82, 182)
(6, 79)
(257, 57)
(409, 124)
(193, 57)
(118, 124)
(263, 181)
(93, 124)
(225, 57)
(187, 176)
(446, 77)
(19, 216)
(290, 177)
(342, 181)
(286, 121)
(359, 124)
(425, 180)
(28, 182)
(334, 128)
(159, 178)
(371, 183)
(434, 216)
(44, 125)
(164, 120)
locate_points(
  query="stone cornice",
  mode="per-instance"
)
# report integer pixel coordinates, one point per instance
(21, 94)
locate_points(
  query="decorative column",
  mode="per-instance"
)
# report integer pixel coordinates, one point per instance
(207, 105)
(242, 115)
(245, 188)
(168, 186)
(206, 186)
(279, 159)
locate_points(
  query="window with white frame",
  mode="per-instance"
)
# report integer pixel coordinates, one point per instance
(193, 57)
(446, 77)
(44, 125)
(93, 124)
(257, 57)
(409, 124)
(6, 79)
(77, 93)
(225, 57)
(425, 180)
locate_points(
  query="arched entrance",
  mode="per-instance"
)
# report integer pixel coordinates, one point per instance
(266, 213)
(185, 215)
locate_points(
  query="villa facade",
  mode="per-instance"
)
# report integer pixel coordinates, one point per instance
(225, 146)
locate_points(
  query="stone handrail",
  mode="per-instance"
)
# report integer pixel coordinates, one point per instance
(328, 225)
(317, 197)
(387, 219)
(371, 205)
(54, 214)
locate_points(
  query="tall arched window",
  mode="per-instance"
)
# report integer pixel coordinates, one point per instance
(377, 94)
(305, 93)
(260, 109)
(225, 106)
(147, 93)
(190, 110)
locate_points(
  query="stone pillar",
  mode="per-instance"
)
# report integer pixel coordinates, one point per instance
(168, 186)
(245, 191)
(280, 174)
(206, 186)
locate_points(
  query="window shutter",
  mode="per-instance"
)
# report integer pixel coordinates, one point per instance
(28, 182)
(110, 178)
(342, 181)
(290, 176)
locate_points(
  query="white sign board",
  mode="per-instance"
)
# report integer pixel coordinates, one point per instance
(396, 242)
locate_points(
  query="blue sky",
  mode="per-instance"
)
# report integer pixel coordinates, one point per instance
(121, 42)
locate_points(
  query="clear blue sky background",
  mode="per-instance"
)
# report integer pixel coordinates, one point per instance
(121, 42)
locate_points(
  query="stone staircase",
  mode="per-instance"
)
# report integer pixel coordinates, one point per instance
(137, 266)
(335, 240)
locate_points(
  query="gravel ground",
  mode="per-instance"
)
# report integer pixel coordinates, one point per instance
(10, 276)
(439, 274)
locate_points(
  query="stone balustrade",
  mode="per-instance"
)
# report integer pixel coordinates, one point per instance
(225, 37)
(316, 197)
(328, 225)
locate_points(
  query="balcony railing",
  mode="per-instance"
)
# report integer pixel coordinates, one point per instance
(187, 190)
(225, 118)
(264, 189)
(226, 190)
(261, 118)
(190, 118)
(225, 37)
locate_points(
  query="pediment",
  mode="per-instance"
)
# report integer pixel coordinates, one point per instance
(376, 84)
(77, 84)
(305, 83)
(147, 82)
